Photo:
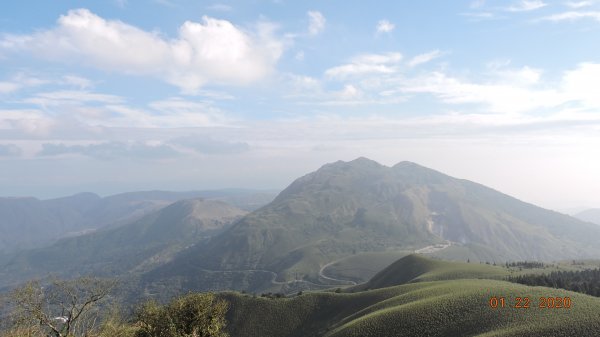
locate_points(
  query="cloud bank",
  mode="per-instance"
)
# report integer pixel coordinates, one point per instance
(211, 51)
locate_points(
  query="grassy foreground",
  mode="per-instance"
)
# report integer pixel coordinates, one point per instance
(429, 298)
(414, 296)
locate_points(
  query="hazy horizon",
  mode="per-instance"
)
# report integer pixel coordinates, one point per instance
(178, 95)
(109, 192)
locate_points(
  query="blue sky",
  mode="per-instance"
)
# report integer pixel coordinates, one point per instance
(111, 96)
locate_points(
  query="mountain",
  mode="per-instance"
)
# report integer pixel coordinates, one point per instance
(134, 247)
(32, 223)
(590, 215)
(29, 222)
(417, 296)
(362, 207)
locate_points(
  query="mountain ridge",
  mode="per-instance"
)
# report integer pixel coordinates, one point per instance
(29, 222)
(137, 246)
(590, 215)
(361, 206)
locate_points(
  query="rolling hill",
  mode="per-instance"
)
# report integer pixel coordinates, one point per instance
(135, 247)
(32, 223)
(590, 215)
(360, 207)
(417, 296)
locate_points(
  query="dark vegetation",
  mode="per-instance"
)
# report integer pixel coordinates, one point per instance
(525, 264)
(194, 315)
(582, 281)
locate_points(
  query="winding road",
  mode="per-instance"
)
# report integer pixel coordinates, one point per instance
(434, 248)
(343, 282)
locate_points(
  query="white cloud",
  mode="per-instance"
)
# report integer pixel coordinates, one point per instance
(384, 26)
(527, 5)
(110, 150)
(8, 87)
(524, 76)
(573, 16)
(169, 113)
(477, 4)
(31, 122)
(582, 83)
(20, 81)
(579, 4)
(316, 22)
(301, 86)
(479, 15)
(220, 7)
(424, 58)
(77, 81)
(500, 96)
(515, 90)
(177, 111)
(66, 97)
(366, 64)
(349, 92)
(212, 51)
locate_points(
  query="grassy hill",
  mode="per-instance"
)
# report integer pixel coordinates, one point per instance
(361, 207)
(416, 296)
(417, 268)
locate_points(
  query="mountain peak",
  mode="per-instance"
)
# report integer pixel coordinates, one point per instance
(406, 163)
(361, 162)
(364, 161)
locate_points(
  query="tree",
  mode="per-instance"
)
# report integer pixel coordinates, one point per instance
(61, 309)
(193, 315)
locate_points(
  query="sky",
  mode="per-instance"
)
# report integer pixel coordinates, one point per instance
(121, 95)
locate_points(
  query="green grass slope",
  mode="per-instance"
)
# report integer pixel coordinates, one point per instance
(417, 268)
(417, 296)
(438, 308)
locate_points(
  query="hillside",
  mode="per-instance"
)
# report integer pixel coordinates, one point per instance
(32, 223)
(441, 304)
(29, 222)
(590, 215)
(357, 207)
(417, 268)
(135, 247)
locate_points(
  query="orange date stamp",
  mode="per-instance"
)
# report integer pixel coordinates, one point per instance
(500, 302)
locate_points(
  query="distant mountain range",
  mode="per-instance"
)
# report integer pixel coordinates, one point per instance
(32, 223)
(335, 226)
(590, 215)
(136, 247)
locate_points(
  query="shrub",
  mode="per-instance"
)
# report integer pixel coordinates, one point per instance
(193, 315)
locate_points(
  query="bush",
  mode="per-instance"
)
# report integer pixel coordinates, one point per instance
(194, 315)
